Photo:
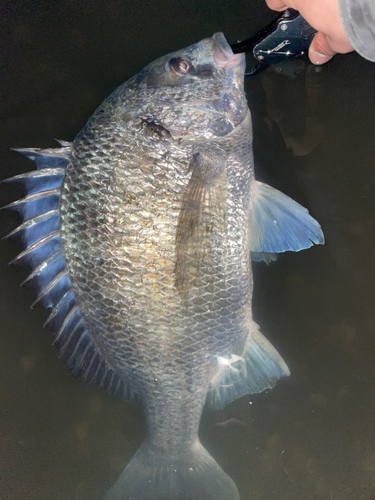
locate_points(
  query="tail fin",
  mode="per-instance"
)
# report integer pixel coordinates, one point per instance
(195, 476)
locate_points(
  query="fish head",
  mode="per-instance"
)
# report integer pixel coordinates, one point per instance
(195, 92)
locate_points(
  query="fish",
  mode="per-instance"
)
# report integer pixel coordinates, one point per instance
(139, 235)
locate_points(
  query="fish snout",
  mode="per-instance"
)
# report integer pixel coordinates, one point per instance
(223, 53)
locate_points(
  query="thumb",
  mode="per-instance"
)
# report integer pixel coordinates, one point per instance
(320, 50)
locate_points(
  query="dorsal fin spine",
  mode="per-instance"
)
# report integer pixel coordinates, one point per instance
(28, 224)
(40, 237)
(42, 267)
(68, 318)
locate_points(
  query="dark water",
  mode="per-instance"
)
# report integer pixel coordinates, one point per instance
(313, 436)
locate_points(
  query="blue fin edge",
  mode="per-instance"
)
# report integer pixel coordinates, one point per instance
(39, 236)
(279, 224)
(258, 369)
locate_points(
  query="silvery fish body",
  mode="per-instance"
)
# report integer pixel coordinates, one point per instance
(139, 236)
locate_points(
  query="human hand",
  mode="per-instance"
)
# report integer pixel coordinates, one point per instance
(324, 16)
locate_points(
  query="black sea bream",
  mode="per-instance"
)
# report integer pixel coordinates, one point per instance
(139, 236)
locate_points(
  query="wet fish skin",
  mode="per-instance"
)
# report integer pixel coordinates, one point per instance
(144, 255)
(120, 207)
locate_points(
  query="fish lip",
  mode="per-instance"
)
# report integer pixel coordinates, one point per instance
(223, 53)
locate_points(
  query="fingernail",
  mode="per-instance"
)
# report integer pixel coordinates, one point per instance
(318, 58)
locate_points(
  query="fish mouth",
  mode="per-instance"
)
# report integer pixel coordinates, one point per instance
(223, 53)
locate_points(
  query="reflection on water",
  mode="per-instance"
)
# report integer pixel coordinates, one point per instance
(313, 436)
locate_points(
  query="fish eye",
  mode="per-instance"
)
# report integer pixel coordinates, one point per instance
(179, 66)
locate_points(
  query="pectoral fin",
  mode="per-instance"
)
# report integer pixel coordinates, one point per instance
(278, 223)
(202, 218)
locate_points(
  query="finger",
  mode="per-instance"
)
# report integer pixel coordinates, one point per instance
(320, 50)
(279, 5)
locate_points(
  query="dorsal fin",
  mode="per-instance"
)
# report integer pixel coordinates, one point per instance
(39, 235)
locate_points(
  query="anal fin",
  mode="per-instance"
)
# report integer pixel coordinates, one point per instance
(259, 368)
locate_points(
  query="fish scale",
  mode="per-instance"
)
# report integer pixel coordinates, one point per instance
(139, 235)
(130, 217)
